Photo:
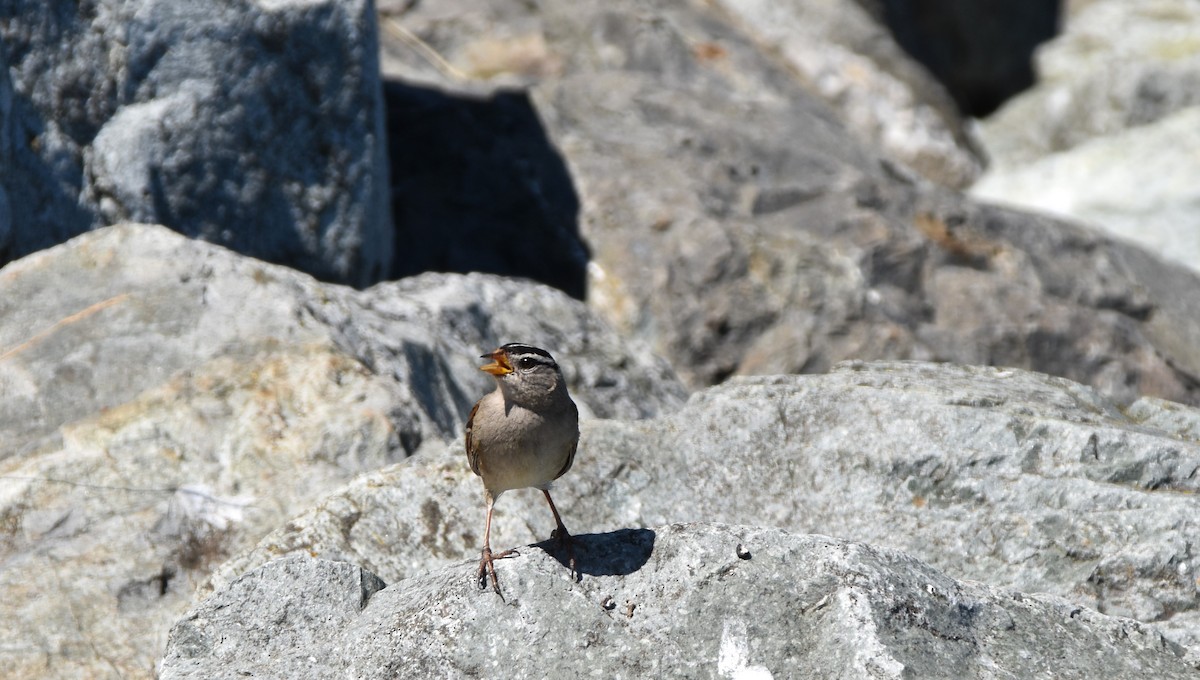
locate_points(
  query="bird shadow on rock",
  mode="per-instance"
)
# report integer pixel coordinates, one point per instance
(614, 553)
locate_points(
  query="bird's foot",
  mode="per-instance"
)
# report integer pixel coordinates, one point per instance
(567, 542)
(487, 567)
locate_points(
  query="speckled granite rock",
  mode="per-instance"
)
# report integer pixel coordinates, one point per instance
(167, 402)
(256, 125)
(694, 600)
(1016, 479)
(740, 223)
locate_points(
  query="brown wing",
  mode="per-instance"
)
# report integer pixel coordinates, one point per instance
(570, 459)
(472, 445)
(574, 445)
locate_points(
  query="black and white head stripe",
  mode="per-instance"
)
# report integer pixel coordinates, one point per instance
(514, 349)
(527, 356)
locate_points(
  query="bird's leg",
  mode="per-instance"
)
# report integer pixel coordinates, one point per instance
(562, 536)
(487, 566)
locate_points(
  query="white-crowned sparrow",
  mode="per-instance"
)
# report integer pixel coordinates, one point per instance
(522, 435)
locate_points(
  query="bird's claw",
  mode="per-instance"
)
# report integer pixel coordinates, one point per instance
(567, 542)
(487, 567)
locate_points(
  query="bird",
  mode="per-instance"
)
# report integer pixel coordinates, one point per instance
(524, 434)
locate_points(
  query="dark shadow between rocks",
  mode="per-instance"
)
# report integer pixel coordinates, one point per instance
(615, 553)
(477, 186)
(39, 207)
(981, 50)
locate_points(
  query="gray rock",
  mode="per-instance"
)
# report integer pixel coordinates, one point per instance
(1114, 316)
(1103, 182)
(845, 55)
(1168, 416)
(167, 402)
(299, 603)
(1116, 94)
(1016, 479)
(91, 324)
(1115, 65)
(256, 126)
(694, 600)
(837, 51)
(739, 225)
(694, 192)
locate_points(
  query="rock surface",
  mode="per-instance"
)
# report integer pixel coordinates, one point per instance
(736, 198)
(1104, 182)
(844, 55)
(1108, 134)
(168, 402)
(256, 125)
(1016, 479)
(694, 600)
(91, 324)
(835, 50)
(1116, 65)
(739, 224)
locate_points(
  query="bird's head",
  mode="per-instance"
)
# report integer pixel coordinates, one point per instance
(523, 371)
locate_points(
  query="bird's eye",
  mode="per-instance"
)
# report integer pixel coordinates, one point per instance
(526, 363)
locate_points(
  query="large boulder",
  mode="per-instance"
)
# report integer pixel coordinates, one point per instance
(685, 600)
(167, 402)
(1016, 479)
(255, 125)
(741, 223)
(837, 51)
(93, 323)
(845, 55)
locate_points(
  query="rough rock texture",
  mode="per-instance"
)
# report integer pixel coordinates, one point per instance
(686, 600)
(1116, 65)
(834, 50)
(301, 602)
(1104, 182)
(92, 323)
(256, 125)
(846, 56)
(1017, 479)
(1109, 133)
(736, 226)
(168, 402)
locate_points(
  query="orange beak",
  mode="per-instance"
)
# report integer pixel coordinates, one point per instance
(499, 365)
